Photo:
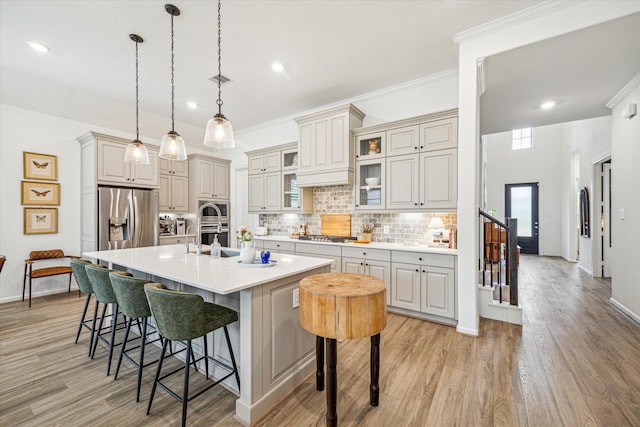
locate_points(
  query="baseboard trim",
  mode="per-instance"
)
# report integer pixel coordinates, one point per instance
(468, 331)
(74, 287)
(589, 272)
(624, 310)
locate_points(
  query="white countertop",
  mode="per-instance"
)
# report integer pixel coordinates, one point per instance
(376, 245)
(218, 275)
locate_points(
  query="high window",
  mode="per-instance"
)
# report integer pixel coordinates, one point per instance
(521, 139)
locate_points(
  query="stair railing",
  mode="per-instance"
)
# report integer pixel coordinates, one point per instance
(495, 235)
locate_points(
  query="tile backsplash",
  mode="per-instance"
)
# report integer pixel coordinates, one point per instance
(339, 199)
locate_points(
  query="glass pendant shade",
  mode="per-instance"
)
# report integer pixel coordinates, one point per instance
(172, 147)
(137, 153)
(219, 133)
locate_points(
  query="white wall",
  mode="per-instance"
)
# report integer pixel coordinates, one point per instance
(625, 171)
(24, 130)
(543, 164)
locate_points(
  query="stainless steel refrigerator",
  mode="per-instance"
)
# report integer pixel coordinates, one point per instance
(127, 218)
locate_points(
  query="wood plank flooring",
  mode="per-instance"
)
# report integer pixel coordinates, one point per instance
(574, 362)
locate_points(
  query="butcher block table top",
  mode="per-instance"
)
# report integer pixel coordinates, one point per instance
(343, 305)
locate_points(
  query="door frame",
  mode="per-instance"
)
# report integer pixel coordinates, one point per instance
(596, 234)
(538, 207)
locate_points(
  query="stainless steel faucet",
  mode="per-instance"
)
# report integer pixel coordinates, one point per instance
(199, 224)
(186, 239)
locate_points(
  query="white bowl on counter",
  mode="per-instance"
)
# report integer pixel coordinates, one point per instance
(372, 181)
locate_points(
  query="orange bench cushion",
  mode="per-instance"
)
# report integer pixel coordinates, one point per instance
(50, 271)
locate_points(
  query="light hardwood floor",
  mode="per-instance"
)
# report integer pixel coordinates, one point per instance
(574, 362)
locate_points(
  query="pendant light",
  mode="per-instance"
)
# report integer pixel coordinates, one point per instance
(172, 146)
(219, 133)
(136, 151)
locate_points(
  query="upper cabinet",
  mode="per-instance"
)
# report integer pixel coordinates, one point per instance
(208, 179)
(267, 162)
(112, 169)
(174, 167)
(409, 164)
(325, 148)
(174, 185)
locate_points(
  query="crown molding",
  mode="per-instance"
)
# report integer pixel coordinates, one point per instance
(629, 87)
(542, 9)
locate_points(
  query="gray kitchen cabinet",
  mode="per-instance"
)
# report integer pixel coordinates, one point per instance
(325, 148)
(164, 241)
(403, 140)
(439, 179)
(372, 262)
(112, 168)
(294, 198)
(174, 193)
(173, 167)
(322, 251)
(402, 182)
(370, 184)
(424, 282)
(264, 192)
(264, 162)
(208, 179)
(279, 247)
(428, 136)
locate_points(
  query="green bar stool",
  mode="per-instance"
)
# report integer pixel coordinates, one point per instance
(182, 316)
(84, 284)
(99, 277)
(133, 303)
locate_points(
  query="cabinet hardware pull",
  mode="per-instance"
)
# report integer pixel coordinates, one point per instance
(421, 204)
(361, 264)
(364, 253)
(421, 147)
(423, 271)
(416, 204)
(420, 258)
(415, 148)
(417, 271)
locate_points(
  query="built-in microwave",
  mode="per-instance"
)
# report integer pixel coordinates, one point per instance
(210, 214)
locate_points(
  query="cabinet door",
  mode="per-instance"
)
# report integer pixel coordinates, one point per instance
(352, 265)
(205, 176)
(220, 181)
(146, 174)
(180, 167)
(405, 286)
(339, 155)
(164, 166)
(370, 196)
(272, 189)
(380, 270)
(111, 165)
(180, 193)
(256, 164)
(306, 142)
(164, 196)
(438, 291)
(439, 134)
(404, 140)
(256, 193)
(272, 162)
(402, 182)
(439, 179)
(321, 148)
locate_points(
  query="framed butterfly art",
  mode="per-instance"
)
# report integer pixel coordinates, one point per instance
(40, 193)
(40, 166)
(40, 220)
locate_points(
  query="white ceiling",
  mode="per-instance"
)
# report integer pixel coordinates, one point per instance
(581, 71)
(332, 50)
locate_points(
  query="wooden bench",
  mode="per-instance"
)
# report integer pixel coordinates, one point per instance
(31, 273)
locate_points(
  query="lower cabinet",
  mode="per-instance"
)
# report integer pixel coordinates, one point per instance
(322, 251)
(405, 290)
(171, 240)
(279, 247)
(437, 288)
(378, 269)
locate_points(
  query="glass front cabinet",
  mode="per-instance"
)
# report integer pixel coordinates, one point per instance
(294, 198)
(370, 189)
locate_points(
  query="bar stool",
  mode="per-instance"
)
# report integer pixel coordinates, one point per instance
(182, 316)
(99, 277)
(132, 301)
(84, 284)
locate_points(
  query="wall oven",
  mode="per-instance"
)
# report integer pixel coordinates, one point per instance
(209, 229)
(210, 215)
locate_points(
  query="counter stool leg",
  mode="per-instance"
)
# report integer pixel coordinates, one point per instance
(319, 363)
(332, 382)
(374, 388)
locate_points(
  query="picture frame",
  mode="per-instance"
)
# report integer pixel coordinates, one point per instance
(40, 166)
(40, 193)
(40, 220)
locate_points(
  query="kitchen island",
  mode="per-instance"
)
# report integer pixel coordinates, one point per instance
(275, 354)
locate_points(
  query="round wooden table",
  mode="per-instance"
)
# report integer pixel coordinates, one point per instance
(337, 306)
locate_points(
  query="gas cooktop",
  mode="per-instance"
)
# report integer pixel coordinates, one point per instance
(321, 238)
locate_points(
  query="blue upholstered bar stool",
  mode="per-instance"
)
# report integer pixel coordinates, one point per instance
(182, 316)
(84, 284)
(99, 277)
(133, 302)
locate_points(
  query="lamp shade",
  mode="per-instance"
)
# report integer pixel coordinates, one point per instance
(173, 147)
(436, 222)
(137, 153)
(219, 133)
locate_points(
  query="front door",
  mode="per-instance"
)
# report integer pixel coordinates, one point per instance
(521, 202)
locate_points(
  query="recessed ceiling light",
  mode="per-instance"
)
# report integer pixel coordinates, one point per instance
(39, 47)
(277, 67)
(192, 105)
(547, 105)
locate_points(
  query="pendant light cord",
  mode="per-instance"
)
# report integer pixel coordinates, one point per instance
(172, 82)
(219, 102)
(137, 127)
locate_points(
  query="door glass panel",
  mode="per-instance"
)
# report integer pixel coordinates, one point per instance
(521, 209)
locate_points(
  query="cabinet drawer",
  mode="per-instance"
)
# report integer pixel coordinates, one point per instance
(171, 241)
(336, 265)
(279, 246)
(436, 260)
(363, 252)
(315, 249)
